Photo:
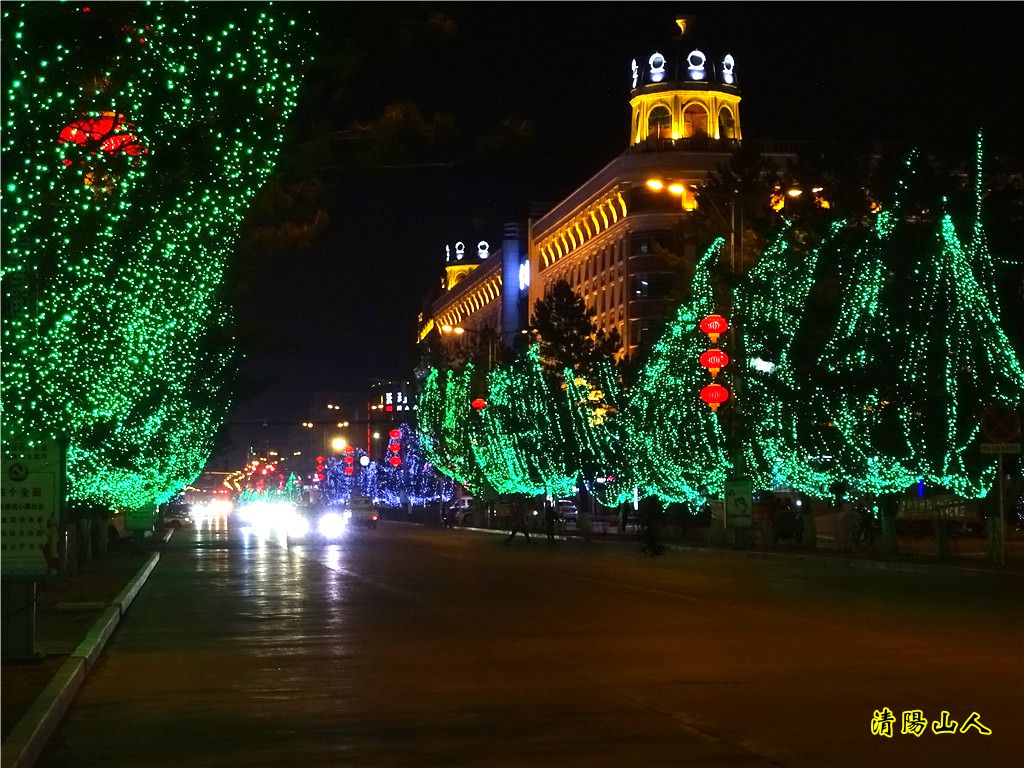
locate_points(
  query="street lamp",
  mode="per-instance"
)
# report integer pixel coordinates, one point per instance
(486, 333)
(338, 444)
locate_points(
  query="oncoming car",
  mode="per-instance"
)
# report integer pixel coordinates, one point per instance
(361, 511)
(323, 524)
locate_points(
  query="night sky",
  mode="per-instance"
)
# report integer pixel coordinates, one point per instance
(342, 311)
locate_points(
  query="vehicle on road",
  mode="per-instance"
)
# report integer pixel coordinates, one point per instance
(176, 516)
(360, 511)
(461, 511)
(316, 525)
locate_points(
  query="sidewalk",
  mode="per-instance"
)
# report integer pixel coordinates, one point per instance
(75, 616)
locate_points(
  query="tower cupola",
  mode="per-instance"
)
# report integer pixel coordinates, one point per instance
(684, 93)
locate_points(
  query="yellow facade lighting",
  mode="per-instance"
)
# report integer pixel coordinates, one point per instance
(676, 188)
(794, 192)
(655, 184)
(458, 330)
(446, 328)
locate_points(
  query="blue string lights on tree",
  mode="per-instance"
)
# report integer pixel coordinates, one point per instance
(132, 150)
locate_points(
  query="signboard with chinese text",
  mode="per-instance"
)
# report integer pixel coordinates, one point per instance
(944, 507)
(31, 504)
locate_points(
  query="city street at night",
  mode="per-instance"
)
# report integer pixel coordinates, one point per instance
(422, 646)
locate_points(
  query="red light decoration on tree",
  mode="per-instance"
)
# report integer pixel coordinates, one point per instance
(714, 360)
(319, 459)
(349, 470)
(109, 130)
(350, 459)
(394, 461)
(395, 447)
(479, 404)
(394, 434)
(714, 326)
(714, 395)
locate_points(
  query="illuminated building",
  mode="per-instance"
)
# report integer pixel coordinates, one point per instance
(620, 237)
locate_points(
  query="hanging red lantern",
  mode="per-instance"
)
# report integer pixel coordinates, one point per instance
(319, 459)
(109, 130)
(395, 447)
(394, 461)
(350, 460)
(349, 449)
(714, 326)
(714, 395)
(479, 404)
(349, 470)
(714, 360)
(394, 434)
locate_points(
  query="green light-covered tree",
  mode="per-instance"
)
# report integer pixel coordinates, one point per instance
(133, 146)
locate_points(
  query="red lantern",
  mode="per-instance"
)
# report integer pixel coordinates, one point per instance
(349, 470)
(714, 360)
(394, 447)
(394, 434)
(349, 449)
(349, 460)
(394, 461)
(479, 404)
(714, 326)
(319, 459)
(110, 130)
(714, 395)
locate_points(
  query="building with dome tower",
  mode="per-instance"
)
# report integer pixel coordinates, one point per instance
(619, 237)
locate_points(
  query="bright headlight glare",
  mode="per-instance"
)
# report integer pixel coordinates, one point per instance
(298, 526)
(331, 525)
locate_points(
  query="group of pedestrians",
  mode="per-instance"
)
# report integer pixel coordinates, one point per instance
(520, 522)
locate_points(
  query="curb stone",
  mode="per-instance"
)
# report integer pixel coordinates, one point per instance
(29, 737)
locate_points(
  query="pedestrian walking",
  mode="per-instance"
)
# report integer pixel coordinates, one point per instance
(518, 521)
(550, 518)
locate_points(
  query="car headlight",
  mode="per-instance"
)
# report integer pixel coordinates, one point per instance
(298, 526)
(332, 525)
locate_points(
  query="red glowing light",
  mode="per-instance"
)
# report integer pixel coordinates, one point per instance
(394, 434)
(389, 408)
(394, 461)
(349, 460)
(349, 470)
(110, 131)
(714, 326)
(319, 459)
(714, 360)
(395, 447)
(479, 404)
(714, 395)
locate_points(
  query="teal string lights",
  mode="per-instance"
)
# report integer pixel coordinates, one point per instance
(132, 149)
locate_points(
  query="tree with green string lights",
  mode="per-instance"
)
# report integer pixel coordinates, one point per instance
(892, 392)
(135, 139)
(675, 441)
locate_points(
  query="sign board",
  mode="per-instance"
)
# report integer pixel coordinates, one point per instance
(139, 519)
(1000, 447)
(1000, 424)
(31, 503)
(739, 506)
(943, 507)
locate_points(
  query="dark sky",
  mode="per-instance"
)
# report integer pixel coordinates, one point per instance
(345, 310)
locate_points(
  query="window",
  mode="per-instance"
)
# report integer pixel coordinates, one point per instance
(653, 285)
(659, 123)
(726, 125)
(695, 121)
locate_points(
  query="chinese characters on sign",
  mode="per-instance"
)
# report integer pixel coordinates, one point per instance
(914, 723)
(30, 504)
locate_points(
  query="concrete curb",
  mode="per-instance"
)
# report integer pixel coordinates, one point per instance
(28, 738)
(838, 559)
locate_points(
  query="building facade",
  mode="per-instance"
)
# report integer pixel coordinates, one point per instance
(619, 239)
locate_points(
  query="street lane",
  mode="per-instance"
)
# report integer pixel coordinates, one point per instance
(412, 646)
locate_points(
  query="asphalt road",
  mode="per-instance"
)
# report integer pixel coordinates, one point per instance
(407, 646)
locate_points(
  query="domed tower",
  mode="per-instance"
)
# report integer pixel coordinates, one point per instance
(685, 92)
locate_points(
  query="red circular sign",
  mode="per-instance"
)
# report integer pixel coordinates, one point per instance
(1000, 424)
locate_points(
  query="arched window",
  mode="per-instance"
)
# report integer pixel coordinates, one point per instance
(726, 125)
(659, 123)
(695, 121)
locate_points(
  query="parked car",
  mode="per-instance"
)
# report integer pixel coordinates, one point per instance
(176, 516)
(568, 513)
(461, 511)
